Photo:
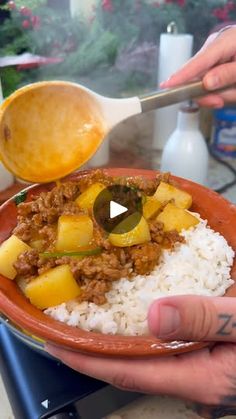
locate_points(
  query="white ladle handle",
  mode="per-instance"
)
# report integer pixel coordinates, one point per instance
(117, 110)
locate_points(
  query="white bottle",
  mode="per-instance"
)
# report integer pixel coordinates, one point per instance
(185, 153)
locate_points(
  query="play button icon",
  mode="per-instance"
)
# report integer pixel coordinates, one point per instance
(118, 208)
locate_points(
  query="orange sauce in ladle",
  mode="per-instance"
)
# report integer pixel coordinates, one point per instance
(49, 131)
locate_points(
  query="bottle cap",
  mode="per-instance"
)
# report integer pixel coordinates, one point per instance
(189, 108)
(172, 28)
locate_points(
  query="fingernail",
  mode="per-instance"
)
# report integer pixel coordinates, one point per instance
(212, 82)
(169, 320)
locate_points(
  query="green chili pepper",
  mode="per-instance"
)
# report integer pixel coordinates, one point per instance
(91, 252)
(20, 197)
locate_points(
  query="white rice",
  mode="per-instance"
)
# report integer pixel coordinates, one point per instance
(201, 266)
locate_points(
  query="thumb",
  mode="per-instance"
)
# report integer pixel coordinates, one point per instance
(194, 318)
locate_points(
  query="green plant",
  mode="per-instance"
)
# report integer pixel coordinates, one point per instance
(90, 50)
(145, 21)
(32, 4)
(93, 52)
(10, 78)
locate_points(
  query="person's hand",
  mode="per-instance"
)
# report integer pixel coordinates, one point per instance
(207, 376)
(216, 64)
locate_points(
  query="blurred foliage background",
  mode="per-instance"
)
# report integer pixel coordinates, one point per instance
(113, 50)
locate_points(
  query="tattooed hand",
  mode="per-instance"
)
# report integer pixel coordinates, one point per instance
(207, 376)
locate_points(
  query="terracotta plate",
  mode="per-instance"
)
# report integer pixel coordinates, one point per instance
(221, 216)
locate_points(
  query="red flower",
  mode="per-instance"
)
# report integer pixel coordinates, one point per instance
(180, 3)
(107, 5)
(230, 5)
(26, 24)
(221, 13)
(36, 22)
(11, 5)
(25, 11)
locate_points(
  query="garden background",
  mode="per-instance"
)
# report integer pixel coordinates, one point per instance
(110, 46)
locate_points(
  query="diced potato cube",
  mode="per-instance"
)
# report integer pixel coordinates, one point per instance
(166, 192)
(151, 207)
(37, 244)
(74, 232)
(88, 197)
(138, 235)
(10, 249)
(53, 287)
(175, 218)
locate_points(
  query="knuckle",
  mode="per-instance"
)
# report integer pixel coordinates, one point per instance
(124, 382)
(212, 397)
(203, 320)
(212, 393)
(221, 377)
(227, 359)
(226, 73)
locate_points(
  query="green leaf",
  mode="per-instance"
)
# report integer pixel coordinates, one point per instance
(20, 197)
(10, 78)
(32, 4)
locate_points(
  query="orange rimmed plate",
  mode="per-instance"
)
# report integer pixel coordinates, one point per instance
(221, 216)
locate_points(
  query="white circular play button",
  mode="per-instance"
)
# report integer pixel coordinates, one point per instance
(116, 209)
(115, 205)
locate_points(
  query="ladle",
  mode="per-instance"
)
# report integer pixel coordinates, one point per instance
(49, 129)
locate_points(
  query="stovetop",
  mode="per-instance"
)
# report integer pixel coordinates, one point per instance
(39, 387)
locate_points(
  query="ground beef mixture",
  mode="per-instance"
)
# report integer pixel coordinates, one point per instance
(144, 257)
(36, 224)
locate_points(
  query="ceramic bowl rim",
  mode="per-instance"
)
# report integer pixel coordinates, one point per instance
(91, 342)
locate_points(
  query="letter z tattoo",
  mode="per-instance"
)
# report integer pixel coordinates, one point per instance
(227, 324)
